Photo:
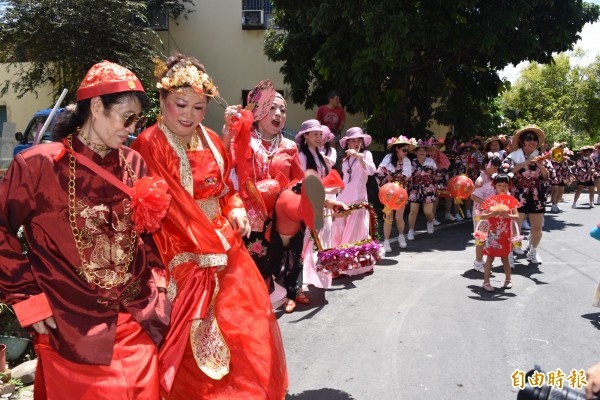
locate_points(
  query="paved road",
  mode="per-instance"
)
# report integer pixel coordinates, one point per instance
(420, 327)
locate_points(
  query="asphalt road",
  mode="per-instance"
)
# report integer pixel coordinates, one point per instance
(421, 327)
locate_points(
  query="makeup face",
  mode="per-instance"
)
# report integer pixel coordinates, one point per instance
(401, 151)
(183, 112)
(274, 121)
(421, 153)
(530, 142)
(495, 146)
(355, 144)
(313, 139)
(108, 126)
(502, 187)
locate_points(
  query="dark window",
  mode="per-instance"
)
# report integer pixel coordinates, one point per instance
(257, 14)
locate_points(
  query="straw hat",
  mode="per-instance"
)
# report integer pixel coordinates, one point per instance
(489, 141)
(584, 148)
(529, 128)
(401, 140)
(422, 143)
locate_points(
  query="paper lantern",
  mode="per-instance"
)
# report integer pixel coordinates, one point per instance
(393, 196)
(460, 187)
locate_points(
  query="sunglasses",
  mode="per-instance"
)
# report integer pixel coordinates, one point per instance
(404, 149)
(530, 138)
(139, 120)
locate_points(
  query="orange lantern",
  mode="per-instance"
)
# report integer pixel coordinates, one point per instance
(393, 196)
(460, 187)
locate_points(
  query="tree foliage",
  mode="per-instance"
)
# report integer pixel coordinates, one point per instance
(403, 63)
(562, 97)
(62, 39)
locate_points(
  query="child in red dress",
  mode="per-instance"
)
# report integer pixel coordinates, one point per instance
(498, 243)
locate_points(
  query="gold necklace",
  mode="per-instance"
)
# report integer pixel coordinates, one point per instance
(193, 145)
(106, 279)
(97, 147)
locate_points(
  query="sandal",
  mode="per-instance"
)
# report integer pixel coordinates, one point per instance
(302, 299)
(487, 287)
(290, 306)
(507, 284)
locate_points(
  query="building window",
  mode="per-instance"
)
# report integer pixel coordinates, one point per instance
(156, 18)
(257, 14)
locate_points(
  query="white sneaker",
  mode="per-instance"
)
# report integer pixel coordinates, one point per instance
(478, 266)
(449, 217)
(597, 200)
(554, 208)
(574, 205)
(533, 256)
(436, 222)
(411, 235)
(518, 250)
(386, 246)
(402, 241)
(526, 225)
(592, 205)
(511, 260)
(458, 217)
(469, 215)
(430, 227)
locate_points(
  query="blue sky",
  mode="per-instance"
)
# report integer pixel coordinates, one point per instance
(590, 42)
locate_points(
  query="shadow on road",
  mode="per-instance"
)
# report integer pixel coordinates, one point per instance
(594, 319)
(321, 394)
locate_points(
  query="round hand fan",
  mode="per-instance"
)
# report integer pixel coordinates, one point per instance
(260, 99)
(500, 202)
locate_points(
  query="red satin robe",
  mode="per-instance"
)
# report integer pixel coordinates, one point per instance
(224, 341)
(86, 349)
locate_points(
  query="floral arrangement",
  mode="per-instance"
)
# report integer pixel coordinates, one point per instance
(180, 76)
(149, 203)
(352, 255)
(401, 140)
(480, 236)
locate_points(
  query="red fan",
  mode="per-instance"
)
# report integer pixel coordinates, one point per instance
(260, 99)
(500, 202)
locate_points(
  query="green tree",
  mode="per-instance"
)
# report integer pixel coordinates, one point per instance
(403, 63)
(60, 40)
(562, 97)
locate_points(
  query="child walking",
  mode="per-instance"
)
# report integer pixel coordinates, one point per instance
(500, 218)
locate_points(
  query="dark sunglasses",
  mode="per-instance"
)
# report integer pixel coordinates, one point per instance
(404, 149)
(139, 120)
(530, 138)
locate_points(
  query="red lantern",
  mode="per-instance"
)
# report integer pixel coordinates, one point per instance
(460, 187)
(393, 196)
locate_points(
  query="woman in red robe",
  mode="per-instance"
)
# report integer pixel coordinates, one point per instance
(224, 341)
(91, 286)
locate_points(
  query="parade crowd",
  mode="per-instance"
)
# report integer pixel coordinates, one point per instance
(151, 271)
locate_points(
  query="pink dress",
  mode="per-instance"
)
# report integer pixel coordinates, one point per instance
(355, 227)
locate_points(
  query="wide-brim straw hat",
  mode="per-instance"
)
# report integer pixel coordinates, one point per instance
(310, 125)
(529, 128)
(422, 143)
(402, 140)
(489, 141)
(588, 147)
(355, 133)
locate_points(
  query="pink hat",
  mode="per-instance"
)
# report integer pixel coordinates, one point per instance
(308, 126)
(355, 133)
(108, 78)
(327, 134)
